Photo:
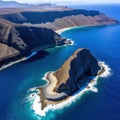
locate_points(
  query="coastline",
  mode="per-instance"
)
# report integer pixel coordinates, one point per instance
(48, 91)
(60, 31)
(37, 106)
(64, 29)
(12, 63)
(21, 95)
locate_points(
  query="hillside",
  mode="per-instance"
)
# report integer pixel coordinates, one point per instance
(23, 31)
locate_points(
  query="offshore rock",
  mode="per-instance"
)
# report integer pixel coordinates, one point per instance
(80, 65)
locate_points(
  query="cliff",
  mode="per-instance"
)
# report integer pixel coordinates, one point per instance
(23, 31)
(80, 65)
(78, 70)
(78, 20)
(20, 39)
(38, 17)
(59, 19)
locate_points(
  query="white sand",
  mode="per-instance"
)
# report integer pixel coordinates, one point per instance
(68, 28)
(64, 29)
(49, 89)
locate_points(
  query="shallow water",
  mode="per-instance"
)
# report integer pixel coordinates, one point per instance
(103, 42)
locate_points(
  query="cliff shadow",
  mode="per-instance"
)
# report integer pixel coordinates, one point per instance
(39, 55)
(83, 83)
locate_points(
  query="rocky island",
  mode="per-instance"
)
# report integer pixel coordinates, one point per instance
(78, 70)
(25, 30)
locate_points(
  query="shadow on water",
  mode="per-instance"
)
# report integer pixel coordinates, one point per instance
(37, 56)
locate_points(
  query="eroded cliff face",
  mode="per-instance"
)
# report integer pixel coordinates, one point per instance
(78, 20)
(20, 39)
(25, 31)
(56, 20)
(38, 17)
(80, 65)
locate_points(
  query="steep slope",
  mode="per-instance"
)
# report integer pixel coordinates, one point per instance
(26, 38)
(7, 52)
(78, 20)
(38, 17)
(81, 64)
(20, 39)
(25, 31)
(56, 20)
(78, 69)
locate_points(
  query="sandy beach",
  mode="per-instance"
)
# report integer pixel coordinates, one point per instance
(49, 89)
(47, 93)
(68, 28)
(64, 29)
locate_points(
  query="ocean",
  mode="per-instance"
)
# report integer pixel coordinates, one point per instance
(18, 81)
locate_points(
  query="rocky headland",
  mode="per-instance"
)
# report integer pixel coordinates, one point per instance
(25, 30)
(78, 70)
(17, 41)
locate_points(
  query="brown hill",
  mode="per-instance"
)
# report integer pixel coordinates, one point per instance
(78, 69)
(23, 31)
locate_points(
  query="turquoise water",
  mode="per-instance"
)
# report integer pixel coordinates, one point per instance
(17, 80)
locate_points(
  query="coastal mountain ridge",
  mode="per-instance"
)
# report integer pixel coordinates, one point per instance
(24, 31)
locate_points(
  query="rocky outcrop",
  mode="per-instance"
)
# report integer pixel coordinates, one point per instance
(59, 19)
(20, 39)
(77, 71)
(39, 17)
(8, 54)
(23, 31)
(78, 20)
(80, 65)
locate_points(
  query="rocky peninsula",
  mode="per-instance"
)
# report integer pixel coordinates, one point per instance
(25, 30)
(78, 70)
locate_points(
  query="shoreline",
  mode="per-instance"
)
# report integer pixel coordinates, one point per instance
(70, 44)
(60, 31)
(90, 86)
(52, 97)
(12, 63)
(47, 91)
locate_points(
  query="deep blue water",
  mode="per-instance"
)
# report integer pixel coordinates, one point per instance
(103, 42)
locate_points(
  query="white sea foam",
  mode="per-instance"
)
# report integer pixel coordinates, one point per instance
(12, 63)
(72, 43)
(33, 90)
(107, 71)
(37, 102)
(36, 105)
